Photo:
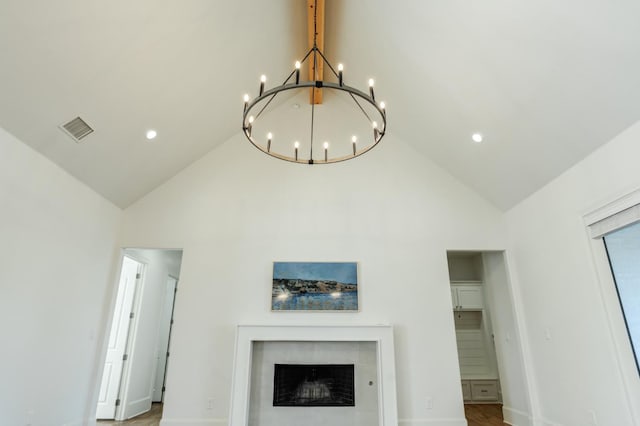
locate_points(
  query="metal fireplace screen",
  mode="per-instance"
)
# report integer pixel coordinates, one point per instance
(323, 385)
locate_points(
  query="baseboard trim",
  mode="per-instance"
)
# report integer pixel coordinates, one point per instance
(77, 423)
(545, 422)
(193, 422)
(516, 417)
(432, 422)
(511, 416)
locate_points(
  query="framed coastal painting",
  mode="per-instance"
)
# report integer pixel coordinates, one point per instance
(314, 286)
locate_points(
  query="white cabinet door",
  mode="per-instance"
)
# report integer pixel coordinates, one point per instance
(467, 296)
(470, 297)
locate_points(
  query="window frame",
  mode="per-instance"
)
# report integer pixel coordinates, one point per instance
(626, 367)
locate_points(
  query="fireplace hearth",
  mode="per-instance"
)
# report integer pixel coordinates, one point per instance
(313, 385)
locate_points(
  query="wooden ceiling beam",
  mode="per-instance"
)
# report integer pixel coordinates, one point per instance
(316, 73)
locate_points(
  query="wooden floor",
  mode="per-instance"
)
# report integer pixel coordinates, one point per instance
(150, 418)
(484, 414)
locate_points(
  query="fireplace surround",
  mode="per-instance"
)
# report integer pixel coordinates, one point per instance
(379, 337)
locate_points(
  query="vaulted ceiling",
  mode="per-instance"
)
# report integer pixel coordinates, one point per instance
(545, 82)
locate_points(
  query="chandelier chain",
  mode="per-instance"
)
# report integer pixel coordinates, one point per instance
(315, 74)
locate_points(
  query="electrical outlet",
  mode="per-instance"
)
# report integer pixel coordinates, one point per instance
(210, 402)
(428, 402)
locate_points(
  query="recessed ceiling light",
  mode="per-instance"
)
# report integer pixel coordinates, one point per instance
(477, 137)
(151, 134)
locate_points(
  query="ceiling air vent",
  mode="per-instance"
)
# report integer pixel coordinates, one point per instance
(77, 129)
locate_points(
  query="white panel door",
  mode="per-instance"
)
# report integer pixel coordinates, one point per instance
(112, 373)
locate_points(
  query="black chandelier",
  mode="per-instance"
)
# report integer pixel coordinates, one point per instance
(299, 150)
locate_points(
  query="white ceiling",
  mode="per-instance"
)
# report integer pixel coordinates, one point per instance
(546, 82)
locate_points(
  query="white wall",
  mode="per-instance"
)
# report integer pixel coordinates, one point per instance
(236, 211)
(572, 344)
(57, 268)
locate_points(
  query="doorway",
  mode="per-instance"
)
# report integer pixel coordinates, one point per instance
(492, 371)
(134, 374)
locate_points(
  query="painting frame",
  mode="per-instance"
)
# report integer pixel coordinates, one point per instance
(303, 286)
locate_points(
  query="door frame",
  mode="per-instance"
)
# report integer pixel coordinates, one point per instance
(521, 341)
(513, 308)
(141, 255)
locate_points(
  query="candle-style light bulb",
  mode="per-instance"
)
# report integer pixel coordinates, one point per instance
(249, 127)
(340, 68)
(354, 139)
(298, 72)
(326, 148)
(296, 145)
(269, 137)
(376, 132)
(263, 79)
(371, 82)
(246, 101)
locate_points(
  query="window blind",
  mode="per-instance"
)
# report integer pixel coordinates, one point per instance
(615, 215)
(616, 221)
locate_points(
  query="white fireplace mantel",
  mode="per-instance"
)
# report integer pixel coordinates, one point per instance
(382, 335)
